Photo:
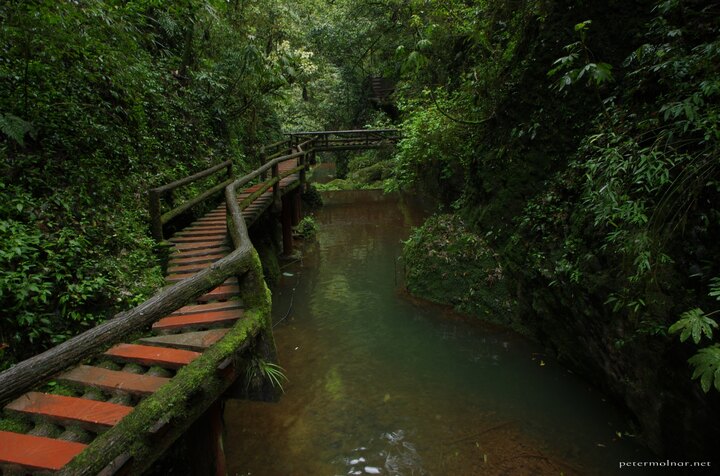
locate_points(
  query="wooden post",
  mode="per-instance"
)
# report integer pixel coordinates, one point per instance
(296, 206)
(276, 186)
(205, 443)
(287, 218)
(303, 160)
(155, 220)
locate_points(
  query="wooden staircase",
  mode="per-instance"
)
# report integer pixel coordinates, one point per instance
(97, 395)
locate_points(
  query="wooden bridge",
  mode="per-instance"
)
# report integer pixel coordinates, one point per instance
(113, 399)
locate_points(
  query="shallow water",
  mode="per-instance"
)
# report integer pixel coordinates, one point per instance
(382, 384)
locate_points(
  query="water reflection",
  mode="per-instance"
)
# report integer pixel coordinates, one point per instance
(389, 454)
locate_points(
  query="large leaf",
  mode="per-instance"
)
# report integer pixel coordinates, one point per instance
(706, 365)
(694, 323)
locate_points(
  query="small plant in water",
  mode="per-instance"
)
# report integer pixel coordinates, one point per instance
(262, 369)
(307, 228)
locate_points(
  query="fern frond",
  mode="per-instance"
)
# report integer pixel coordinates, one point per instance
(15, 127)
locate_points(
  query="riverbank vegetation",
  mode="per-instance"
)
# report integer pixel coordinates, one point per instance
(571, 148)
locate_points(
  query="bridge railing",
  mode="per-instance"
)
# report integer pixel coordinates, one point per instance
(347, 140)
(156, 195)
(177, 401)
(276, 149)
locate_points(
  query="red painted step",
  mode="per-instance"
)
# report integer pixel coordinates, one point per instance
(209, 234)
(219, 238)
(204, 245)
(113, 380)
(178, 260)
(213, 306)
(149, 355)
(211, 220)
(221, 293)
(197, 341)
(87, 413)
(206, 319)
(192, 267)
(220, 226)
(36, 452)
(199, 252)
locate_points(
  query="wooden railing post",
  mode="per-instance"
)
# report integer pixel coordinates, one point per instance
(276, 186)
(286, 220)
(155, 220)
(303, 162)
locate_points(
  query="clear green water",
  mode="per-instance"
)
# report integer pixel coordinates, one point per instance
(382, 383)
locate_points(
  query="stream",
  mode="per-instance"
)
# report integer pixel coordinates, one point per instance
(380, 383)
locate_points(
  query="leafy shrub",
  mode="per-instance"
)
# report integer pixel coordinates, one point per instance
(447, 263)
(307, 228)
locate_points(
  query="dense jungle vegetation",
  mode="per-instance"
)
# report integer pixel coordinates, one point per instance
(571, 148)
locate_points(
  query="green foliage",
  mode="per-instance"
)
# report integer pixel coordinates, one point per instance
(706, 365)
(100, 102)
(447, 263)
(694, 323)
(263, 369)
(307, 228)
(15, 128)
(595, 73)
(429, 155)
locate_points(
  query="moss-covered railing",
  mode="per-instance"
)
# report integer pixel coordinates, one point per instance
(161, 418)
(137, 440)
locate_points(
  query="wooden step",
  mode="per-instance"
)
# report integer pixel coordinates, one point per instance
(87, 413)
(150, 355)
(183, 260)
(209, 234)
(210, 220)
(113, 380)
(222, 226)
(209, 246)
(196, 341)
(221, 293)
(213, 306)
(196, 252)
(198, 239)
(192, 267)
(205, 319)
(35, 452)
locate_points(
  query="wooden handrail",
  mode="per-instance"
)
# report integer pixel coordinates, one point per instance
(192, 178)
(353, 131)
(31, 372)
(159, 219)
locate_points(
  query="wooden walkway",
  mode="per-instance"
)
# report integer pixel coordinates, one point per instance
(106, 391)
(113, 399)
